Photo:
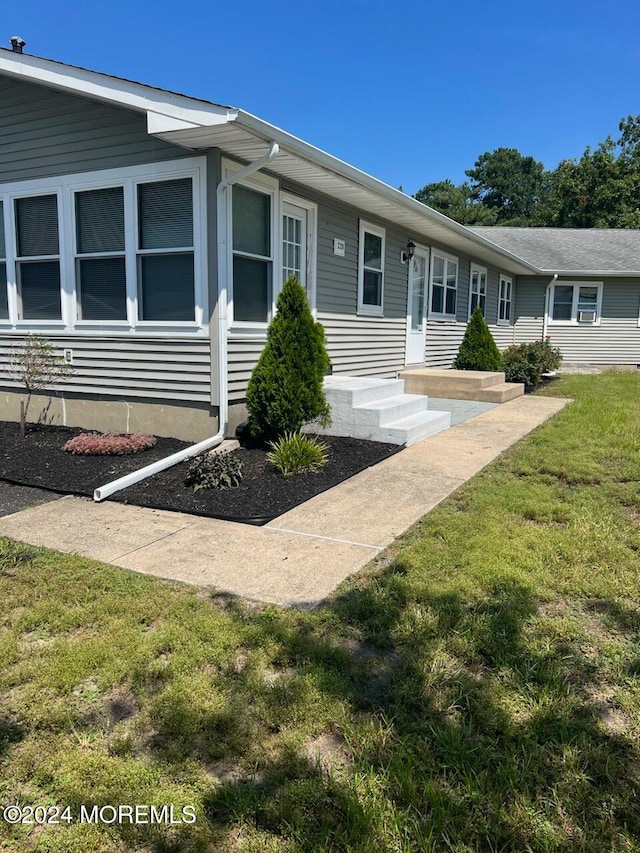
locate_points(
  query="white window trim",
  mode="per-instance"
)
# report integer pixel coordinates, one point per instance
(378, 231)
(433, 315)
(312, 242)
(269, 186)
(505, 278)
(599, 285)
(64, 187)
(477, 268)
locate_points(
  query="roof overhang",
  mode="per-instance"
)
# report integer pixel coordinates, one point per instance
(197, 124)
(248, 138)
(164, 110)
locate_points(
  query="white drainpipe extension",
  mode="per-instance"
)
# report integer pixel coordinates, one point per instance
(547, 294)
(223, 404)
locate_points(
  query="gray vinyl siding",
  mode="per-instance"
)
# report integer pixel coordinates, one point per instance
(361, 345)
(243, 353)
(44, 133)
(616, 340)
(127, 367)
(443, 337)
(529, 313)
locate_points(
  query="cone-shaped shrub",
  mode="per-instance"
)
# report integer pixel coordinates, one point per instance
(478, 350)
(285, 389)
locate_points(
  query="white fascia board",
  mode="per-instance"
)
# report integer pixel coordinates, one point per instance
(333, 164)
(123, 93)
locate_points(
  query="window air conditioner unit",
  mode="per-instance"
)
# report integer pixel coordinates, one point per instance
(586, 316)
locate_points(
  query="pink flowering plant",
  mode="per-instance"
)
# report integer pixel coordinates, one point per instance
(109, 443)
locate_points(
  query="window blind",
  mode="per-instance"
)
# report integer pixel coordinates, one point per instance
(100, 220)
(165, 214)
(37, 225)
(103, 289)
(167, 287)
(40, 290)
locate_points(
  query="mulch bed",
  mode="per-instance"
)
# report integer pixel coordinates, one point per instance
(38, 460)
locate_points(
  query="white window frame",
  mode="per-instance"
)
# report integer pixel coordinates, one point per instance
(268, 186)
(480, 270)
(12, 249)
(599, 285)
(433, 315)
(377, 231)
(65, 187)
(312, 242)
(505, 279)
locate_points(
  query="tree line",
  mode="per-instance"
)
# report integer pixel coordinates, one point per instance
(601, 189)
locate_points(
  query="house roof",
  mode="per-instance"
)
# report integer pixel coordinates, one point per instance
(197, 125)
(571, 251)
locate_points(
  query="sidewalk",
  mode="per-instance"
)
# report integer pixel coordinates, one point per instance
(300, 557)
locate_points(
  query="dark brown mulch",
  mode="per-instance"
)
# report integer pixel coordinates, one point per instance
(38, 460)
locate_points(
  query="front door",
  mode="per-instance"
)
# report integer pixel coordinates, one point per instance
(416, 320)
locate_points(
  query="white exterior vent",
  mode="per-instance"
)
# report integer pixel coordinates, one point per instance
(586, 316)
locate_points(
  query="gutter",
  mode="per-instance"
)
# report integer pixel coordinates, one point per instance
(335, 166)
(223, 392)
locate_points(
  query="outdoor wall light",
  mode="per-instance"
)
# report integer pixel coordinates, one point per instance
(408, 253)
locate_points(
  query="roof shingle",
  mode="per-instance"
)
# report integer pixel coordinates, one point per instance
(567, 249)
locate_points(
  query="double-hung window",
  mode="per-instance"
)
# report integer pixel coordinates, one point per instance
(100, 254)
(478, 289)
(165, 251)
(444, 287)
(119, 247)
(504, 300)
(371, 269)
(578, 303)
(38, 257)
(252, 254)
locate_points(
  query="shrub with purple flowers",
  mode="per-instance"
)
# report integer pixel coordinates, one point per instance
(109, 443)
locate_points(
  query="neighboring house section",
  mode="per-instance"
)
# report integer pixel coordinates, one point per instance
(588, 299)
(148, 234)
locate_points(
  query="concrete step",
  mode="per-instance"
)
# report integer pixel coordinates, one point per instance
(381, 412)
(378, 410)
(357, 390)
(501, 393)
(415, 428)
(485, 386)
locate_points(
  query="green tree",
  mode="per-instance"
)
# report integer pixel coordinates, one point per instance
(478, 350)
(456, 202)
(508, 183)
(285, 390)
(601, 189)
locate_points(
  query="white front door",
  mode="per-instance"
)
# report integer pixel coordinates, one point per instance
(416, 310)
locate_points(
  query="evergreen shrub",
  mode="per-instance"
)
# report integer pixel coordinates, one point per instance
(478, 350)
(285, 390)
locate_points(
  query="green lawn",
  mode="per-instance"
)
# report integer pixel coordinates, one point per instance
(478, 689)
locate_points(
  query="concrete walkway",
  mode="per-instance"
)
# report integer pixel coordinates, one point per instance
(300, 557)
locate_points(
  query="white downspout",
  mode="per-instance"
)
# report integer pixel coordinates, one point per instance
(547, 294)
(223, 403)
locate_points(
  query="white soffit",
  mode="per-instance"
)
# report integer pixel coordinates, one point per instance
(244, 144)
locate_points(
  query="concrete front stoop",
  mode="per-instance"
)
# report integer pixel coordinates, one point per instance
(379, 410)
(483, 385)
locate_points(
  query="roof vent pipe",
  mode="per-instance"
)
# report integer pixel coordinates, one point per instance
(17, 44)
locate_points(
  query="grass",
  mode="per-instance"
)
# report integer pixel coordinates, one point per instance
(477, 689)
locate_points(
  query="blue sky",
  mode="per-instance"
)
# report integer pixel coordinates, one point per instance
(409, 92)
